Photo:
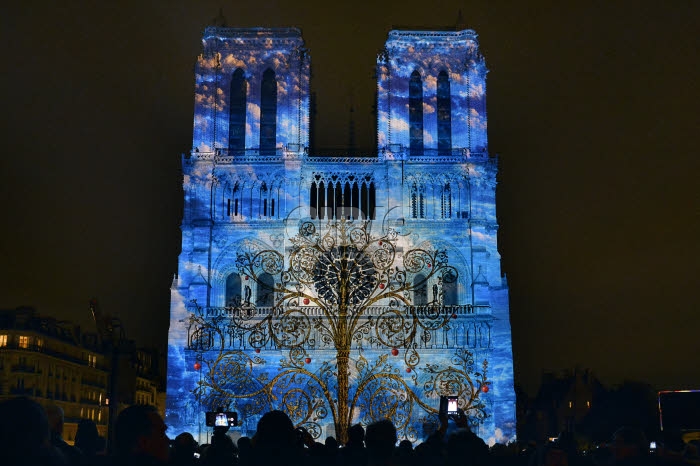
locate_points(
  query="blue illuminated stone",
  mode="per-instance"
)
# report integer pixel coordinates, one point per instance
(269, 230)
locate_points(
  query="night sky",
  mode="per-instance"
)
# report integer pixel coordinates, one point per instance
(593, 111)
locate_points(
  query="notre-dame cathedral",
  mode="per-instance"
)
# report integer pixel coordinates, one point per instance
(340, 289)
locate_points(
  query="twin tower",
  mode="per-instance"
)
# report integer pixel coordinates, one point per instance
(340, 289)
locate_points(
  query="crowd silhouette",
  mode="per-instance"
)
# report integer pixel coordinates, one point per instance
(32, 435)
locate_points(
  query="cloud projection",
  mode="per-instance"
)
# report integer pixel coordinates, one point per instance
(339, 289)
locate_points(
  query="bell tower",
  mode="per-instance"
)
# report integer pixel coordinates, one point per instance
(340, 288)
(251, 92)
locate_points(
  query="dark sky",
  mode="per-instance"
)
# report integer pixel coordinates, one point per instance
(593, 110)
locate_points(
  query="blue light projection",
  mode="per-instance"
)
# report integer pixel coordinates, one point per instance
(256, 53)
(427, 54)
(339, 289)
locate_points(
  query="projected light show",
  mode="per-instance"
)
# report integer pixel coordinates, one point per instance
(340, 289)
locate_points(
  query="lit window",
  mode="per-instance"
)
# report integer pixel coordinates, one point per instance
(23, 341)
(571, 404)
(39, 343)
(3, 340)
(588, 403)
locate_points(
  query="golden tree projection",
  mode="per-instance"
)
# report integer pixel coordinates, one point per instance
(342, 291)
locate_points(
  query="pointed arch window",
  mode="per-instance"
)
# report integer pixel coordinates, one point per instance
(313, 200)
(263, 198)
(446, 201)
(451, 294)
(268, 113)
(444, 114)
(237, 110)
(415, 113)
(265, 293)
(339, 199)
(420, 290)
(417, 201)
(233, 290)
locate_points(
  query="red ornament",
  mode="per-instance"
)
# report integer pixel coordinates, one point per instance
(394, 351)
(307, 360)
(246, 277)
(306, 300)
(485, 388)
(381, 285)
(197, 366)
(429, 265)
(380, 243)
(408, 370)
(257, 350)
(454, 316)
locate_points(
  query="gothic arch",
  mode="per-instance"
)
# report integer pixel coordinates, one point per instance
(444, 114)
(237, 112)
(268, 113)
(233, 294)
(461, 289)
(415, 113)
(225, 264)
(264, 294)
(342, 195)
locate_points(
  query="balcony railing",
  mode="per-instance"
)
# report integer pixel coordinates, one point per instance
(457, 326)
(23, 368)
(312, 311)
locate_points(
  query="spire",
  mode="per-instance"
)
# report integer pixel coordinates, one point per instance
(351, 128)
(220, 20)
(351, 124)
(460, 25)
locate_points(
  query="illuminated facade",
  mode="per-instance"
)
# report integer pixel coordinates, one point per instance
(340, 289)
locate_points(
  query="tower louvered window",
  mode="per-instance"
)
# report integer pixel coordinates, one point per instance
(237, 111)
(268, 113)
(444, 111)
(415, 113)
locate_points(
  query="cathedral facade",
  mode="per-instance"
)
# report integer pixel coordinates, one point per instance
(340, 289)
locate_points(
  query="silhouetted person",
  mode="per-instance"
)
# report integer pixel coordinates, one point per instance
(380, 440)
(332, 449)
(404, 453)
(140, 438)
(72, 454)
(221, 451)
(275, 441)
(245, 451)
(24, 435)
(89, 441)
(183, 450)
(354, 452)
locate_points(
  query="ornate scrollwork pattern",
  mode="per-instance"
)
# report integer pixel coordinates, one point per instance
(343, 289)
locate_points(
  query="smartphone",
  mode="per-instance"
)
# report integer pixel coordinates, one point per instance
(449, 405)
(452, 405)
(225, 419)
